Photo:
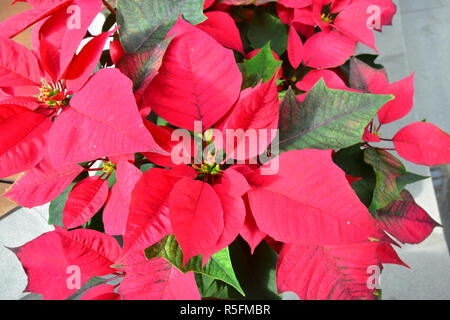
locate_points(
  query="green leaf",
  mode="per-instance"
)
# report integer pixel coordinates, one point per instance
(146, 166)
(266, 27)
(141, 67)
(248, 80)
(210, 288)
(91, 283)
(387, 169)
(369, 59)
(96, 222)
(145, 23)
(256, 272)
(327, 118)
(263, 65)
(408, 178)
(109, 22)
(351, 160)
(218, 267)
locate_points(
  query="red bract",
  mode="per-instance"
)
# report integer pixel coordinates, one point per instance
(78, 255)
(50, 259)
(18, 65)
(343, 24)
(295, 48)
(295, 204)
(156, 279)
(331, 79)
(101, 292)
(60, 35)
(368, 79)
(328, 49)
(148, 221)
(23, 140)
(250, 231)
(329, 272)
(255, 113)
(221, 26)
(423, 143)
(196, 216)
(115, 214)
(196, 69)
(110, 120)
(85, 199)
(22, 75)
(405, 220)
(41, 10)
(43, 183)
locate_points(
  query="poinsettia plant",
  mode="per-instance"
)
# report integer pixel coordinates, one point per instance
(228, 149)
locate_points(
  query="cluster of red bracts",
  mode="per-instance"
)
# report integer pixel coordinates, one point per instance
(56, 113)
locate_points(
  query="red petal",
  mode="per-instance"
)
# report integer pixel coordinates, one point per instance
(405, 220)
(196, 216)
(148, 220)
(285, 14)
(157, 279)
(233, 219)
(369, 136)
(84, 63)
(18, 65)
(62, 34)
(27, 102)
(221, 26)
(332, 80)
(327, 272)
(386, 253)
(297, 205)
(115, 213)
(163, 137)
(85, 200)
(351, 179)
(198, 71)
(423, 143)
(234, 182)
(366, 78)
(116, 51)
(295, 48)
(22, 140)
(328, 49)
(295, 3)
(101, 292)
(353, 20)
(403, 90)
(43, 184)
(250, 231)
(253, 122)
(51, 259)
(110, 120)
(21, 21)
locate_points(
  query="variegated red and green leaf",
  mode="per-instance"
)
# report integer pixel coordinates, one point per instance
(405, 220)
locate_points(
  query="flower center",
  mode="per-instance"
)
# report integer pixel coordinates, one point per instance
(52, 95)
(326, 18)
(208, 167)
(109, 167)
(211, 169)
